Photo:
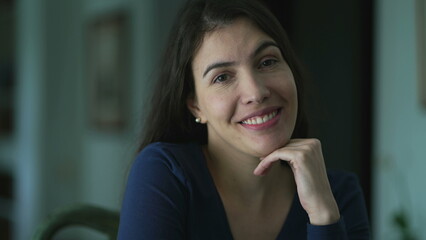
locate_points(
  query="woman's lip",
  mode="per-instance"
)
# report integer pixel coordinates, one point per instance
(260, 113)
(265, 125)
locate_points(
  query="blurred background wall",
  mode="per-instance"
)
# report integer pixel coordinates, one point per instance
(52, 152)
(400, 121)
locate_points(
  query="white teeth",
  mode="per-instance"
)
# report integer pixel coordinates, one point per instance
(260, 119)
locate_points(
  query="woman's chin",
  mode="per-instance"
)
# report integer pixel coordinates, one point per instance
(263, 150)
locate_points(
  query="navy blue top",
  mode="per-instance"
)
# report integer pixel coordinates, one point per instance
(170, 194)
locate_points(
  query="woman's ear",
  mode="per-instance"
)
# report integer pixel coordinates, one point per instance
(194, 108)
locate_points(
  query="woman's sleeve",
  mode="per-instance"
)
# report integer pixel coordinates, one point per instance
(154, 203)
(353, 224)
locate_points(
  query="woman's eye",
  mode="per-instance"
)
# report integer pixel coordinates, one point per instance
(221, 78)
(268, 63)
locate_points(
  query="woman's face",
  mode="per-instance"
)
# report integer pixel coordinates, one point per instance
(244, 90)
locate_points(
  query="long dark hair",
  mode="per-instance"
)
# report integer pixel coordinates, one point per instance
(169, 119)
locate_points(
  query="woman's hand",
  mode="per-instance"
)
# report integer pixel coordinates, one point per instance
(307, 163)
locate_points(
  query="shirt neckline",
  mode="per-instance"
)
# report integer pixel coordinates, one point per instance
(292, 213)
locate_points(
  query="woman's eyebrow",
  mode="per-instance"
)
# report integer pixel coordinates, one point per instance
(217, 65)
(258, 50)
(263, 46)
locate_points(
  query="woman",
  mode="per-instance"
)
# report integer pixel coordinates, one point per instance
(225, 153)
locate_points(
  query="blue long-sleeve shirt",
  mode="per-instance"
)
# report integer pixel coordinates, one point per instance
(170, 194)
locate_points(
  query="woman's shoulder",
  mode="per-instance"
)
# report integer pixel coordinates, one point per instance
(340, 179)
(338, 176)
(166, 149)
(172, 157)
(345, 185)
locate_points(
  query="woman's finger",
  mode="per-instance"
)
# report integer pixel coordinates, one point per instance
(285, 154)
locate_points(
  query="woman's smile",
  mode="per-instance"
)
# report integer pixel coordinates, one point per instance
(263, 120)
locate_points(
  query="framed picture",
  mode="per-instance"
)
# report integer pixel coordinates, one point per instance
(421, 46)
(108, 71)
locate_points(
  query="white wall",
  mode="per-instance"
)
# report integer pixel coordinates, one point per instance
(60, 157)
(400, 122)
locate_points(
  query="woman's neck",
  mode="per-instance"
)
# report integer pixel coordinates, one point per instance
(232, 172)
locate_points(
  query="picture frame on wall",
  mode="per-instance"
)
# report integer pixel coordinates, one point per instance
(421, 49)
(108, 70)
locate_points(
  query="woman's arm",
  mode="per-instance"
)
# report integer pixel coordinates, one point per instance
(306, 161)
(329, 219)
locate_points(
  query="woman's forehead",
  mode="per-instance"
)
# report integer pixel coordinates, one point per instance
(239, 38)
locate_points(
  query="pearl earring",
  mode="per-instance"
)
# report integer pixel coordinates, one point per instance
(197, 120)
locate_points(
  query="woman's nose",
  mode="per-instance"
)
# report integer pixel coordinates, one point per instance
(253, 89)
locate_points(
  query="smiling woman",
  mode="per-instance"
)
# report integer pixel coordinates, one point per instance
(225, 153)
